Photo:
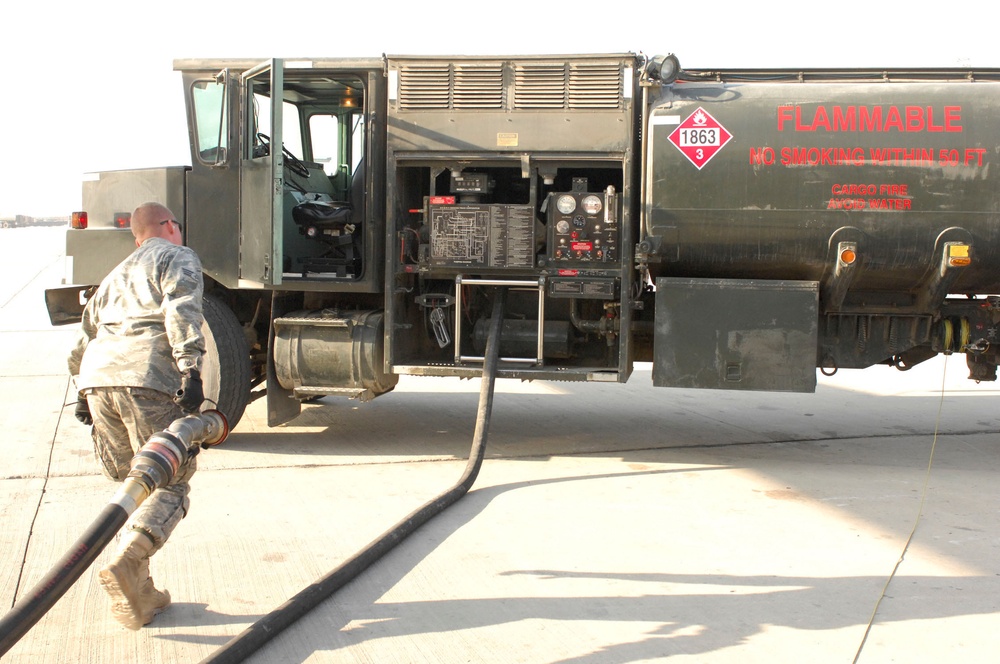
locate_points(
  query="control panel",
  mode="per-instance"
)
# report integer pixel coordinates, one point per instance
(583, 226)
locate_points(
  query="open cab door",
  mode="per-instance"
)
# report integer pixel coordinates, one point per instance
(261, 180)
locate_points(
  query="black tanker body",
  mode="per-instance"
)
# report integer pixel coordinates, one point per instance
(877, 190)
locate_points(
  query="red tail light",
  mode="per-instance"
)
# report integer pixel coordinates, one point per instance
(123, 219)
(79, 220)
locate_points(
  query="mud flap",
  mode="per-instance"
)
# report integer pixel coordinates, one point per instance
(282, 405)
(66, 305)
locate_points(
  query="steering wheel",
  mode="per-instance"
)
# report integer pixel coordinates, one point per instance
(295, 165)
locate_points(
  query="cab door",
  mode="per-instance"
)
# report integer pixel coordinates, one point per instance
(261, 183)
(211, 211)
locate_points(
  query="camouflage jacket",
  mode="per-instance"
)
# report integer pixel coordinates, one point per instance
(142, 327)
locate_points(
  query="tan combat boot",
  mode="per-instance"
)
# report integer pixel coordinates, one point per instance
(134, 598)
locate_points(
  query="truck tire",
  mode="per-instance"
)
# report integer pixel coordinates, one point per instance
(225, 370)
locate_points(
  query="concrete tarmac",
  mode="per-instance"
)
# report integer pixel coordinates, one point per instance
(609, 524)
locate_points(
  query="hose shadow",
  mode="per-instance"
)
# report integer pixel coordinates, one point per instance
(724, 611)
(300, 638)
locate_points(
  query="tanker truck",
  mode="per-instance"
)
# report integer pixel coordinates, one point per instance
(737, 229)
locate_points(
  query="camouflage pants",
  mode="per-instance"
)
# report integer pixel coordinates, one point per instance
(124, 419)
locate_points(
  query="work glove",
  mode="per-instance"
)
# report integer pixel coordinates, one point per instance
(82, 411)
(191, 394)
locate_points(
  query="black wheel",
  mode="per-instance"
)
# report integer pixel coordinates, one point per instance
(225, 370)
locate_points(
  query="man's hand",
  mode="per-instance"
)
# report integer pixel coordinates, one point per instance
(82, 411)
(191, 394)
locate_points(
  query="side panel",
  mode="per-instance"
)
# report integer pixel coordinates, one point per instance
(736, 334)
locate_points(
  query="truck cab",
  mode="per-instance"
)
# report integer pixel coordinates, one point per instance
(280, 194)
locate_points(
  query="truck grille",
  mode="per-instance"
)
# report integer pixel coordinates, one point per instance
(511, 86)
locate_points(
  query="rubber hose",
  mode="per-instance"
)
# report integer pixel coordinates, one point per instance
(256, 635)
(64, 574)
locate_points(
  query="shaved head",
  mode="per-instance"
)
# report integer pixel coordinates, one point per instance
(155, 220)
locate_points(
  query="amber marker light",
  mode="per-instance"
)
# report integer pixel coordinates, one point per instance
(959, 255)
(848, 256)
(79, 220)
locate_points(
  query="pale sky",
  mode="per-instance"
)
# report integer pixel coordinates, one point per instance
(90, 86)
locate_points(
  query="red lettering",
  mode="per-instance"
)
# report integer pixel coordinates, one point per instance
(798, 120)
(844, 118)
(974, 156)
(821, 121)
(892, 190)
(931, 127)
(893, 120)
(889, 204)
(870, 119)
(784, 114)
(911, 119)
(762, 156)
(953, 118)
(846, 204)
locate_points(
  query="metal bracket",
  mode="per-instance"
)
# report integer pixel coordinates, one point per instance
(504, 283)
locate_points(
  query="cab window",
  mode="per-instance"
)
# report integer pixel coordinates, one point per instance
(210, 116)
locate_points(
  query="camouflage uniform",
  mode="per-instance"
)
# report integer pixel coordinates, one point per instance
(140, 330)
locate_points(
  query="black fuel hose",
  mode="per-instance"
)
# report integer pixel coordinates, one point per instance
(152, 467)
(64, 574)
(256, 635)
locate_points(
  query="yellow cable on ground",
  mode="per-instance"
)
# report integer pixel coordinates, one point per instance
(920, 513)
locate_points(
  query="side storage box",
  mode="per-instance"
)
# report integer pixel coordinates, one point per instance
(736, 334)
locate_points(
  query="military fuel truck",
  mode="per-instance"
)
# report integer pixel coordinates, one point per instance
(737, 229)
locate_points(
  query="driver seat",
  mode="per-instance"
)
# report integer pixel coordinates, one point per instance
(336, 224)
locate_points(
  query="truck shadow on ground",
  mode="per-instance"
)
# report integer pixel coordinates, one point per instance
(690, 613)
(545, 425)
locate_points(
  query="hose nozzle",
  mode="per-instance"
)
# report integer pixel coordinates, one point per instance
(159, 459)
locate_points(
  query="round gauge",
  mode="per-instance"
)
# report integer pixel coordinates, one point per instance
(591, 204)
(566, 203)
(562, 226)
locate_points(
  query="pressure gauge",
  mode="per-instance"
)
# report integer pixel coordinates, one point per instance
(562, 226)
(566, 203)
(591, 204)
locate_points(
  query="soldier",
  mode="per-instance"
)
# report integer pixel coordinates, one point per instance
(137, 363)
